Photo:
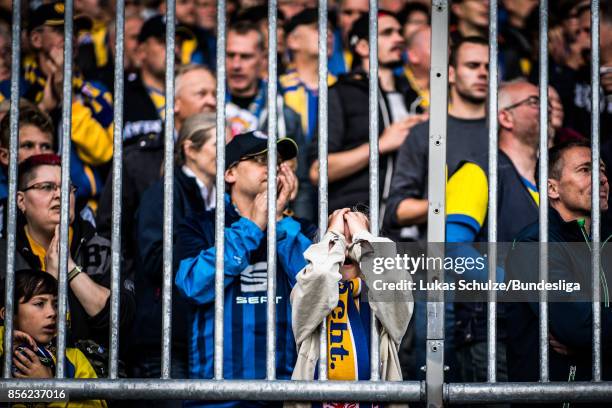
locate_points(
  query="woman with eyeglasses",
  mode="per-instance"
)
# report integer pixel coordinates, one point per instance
(89, 259)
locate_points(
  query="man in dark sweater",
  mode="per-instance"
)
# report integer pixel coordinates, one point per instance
(406, 213)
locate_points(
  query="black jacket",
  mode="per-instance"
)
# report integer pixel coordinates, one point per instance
(349, 128)
(569, 322)
(142, 161)
(140, 117)
(146, 334)
(93, 253)
(516, 210)
(142, 166)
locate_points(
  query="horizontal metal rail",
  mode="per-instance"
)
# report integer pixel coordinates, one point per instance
(283, 390)
(461, 393)
(246, 390)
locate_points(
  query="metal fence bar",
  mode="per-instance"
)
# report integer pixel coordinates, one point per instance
(543, 188)
(492, 213)
(323, 180)
(272, 183)
(117, 192)
(281, 390)
(64, 246)
(168, 192)
(595, 205)
(247, 390)
(374, 160)
(436, 218)
(12, 188)
(220, 188)
(467, 393)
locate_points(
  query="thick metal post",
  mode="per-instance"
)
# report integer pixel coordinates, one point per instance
(436, 218)
(492, 213)
(117, 192)
(272, 183)
(323, 179)
(220, 188)
(595, 204)
(12, 188)
(374, 160)
(168, 192)
(543, 187)
(64, 246)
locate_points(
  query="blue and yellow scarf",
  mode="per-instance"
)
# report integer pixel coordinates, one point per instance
(348, 340)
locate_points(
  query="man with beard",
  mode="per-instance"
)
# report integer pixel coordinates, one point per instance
(349, 149)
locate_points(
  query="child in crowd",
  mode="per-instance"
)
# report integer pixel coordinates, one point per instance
(329, 287)
(35, 329)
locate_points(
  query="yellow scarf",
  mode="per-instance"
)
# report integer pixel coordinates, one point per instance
(343, 344)
(423, 93)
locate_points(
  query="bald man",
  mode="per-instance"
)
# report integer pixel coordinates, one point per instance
(518, 200)
(417, 66)
(349, 11)
(195, 89)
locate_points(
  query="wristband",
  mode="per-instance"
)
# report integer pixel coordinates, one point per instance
(74, 272)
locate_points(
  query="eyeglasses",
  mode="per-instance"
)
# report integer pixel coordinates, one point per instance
(48, 187)
(533, 101)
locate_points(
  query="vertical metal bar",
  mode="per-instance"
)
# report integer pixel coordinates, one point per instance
(596, 214)
(168, 192)
(117, 193)
(64, 247)
(492, 231)
(374, 160)
(543, 188)
(272, 137)
(220, 188)
(323, 181)
(436, 218)
(12, 188)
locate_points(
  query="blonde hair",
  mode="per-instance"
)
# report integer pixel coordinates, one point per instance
(198, 129)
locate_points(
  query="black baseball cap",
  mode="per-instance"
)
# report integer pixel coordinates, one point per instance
(360, 30)
(52, 14)
(253, 143)
(305, 17)
(156, 27)
(255, 14)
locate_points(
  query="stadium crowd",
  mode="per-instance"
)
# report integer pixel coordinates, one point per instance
(318, 275)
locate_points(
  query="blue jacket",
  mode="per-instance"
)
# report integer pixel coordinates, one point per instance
(245, 292)
(148, 281)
